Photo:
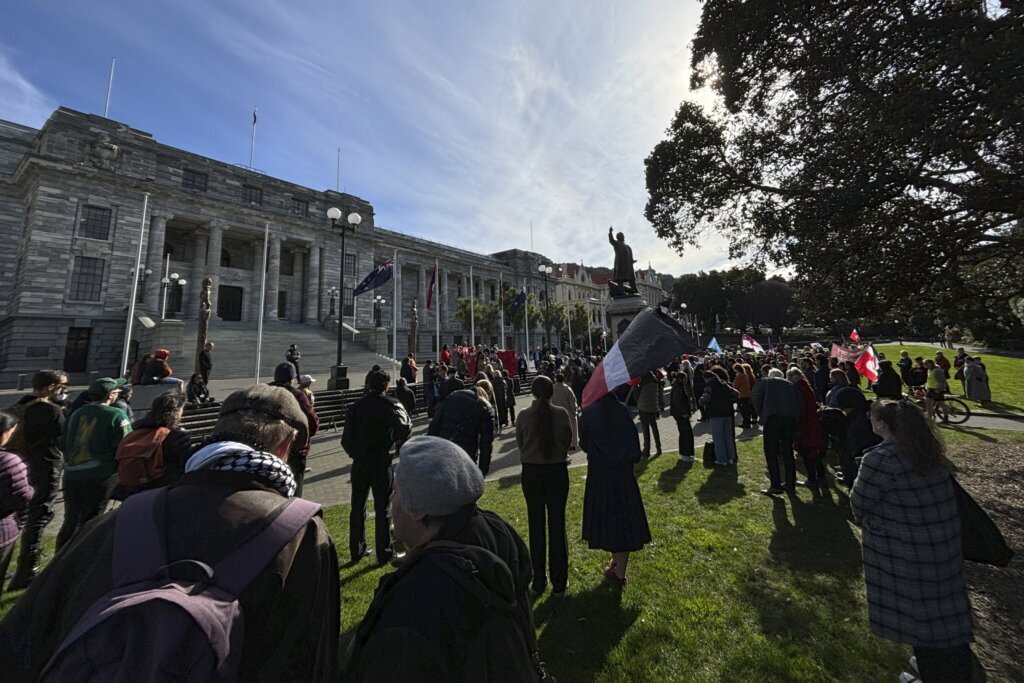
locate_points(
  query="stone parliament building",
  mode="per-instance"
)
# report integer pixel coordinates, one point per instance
(71, 199)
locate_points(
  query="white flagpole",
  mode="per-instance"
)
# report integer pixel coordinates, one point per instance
(437, 310)
(472, 311)
(568, 317)
(501, 309)
(135, 289)
(526, 323)
(110, 87)
(165, 285)
(263, 296)
(252, 143)
(394, 315)
(337, 176)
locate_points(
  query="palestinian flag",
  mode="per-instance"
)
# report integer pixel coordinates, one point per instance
(650, 342)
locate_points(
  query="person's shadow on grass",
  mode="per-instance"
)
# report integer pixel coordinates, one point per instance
(721, 486)
(581, 630)
(670, 479)
(819, 538)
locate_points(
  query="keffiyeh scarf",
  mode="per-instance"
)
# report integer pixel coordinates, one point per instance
(231, 456)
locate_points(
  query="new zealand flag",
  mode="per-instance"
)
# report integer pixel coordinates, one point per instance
(380, 274)
(518, 301)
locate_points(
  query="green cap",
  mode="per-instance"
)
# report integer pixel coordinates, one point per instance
(104, 385)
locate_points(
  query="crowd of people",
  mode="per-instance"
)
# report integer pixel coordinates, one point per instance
(457, 606)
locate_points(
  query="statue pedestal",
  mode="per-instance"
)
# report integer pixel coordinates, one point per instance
(621, 312)
(339, 378)
(379, 342)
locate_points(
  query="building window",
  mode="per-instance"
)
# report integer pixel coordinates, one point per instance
(300, 207)
(87, 279)
(95, 223)
(349, 302)
(76, 349)
(350, 265)
(225, 258)
(252, 195)
(193, 180)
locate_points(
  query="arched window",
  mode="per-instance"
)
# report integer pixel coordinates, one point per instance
(225, 258)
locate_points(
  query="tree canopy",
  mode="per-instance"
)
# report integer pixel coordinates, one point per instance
(876, 147)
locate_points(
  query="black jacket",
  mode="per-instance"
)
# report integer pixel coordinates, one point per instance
(466, 421)
(718, 398)
(205, 361)
(41, 423)
(450, 386)
(373, 424)
(679, 402)
(889, 385)
(448, 614)
(407, 398)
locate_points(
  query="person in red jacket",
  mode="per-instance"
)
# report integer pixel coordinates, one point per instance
(810, 436)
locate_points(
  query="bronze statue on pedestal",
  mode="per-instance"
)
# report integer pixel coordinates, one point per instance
(623, 282)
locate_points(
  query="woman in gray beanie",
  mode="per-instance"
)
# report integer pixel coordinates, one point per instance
(544, 435)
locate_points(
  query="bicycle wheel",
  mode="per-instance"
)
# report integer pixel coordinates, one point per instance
(957, 411)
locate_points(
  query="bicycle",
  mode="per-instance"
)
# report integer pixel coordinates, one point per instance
(948, 410)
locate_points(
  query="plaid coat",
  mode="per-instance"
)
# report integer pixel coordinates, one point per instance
(913, 558)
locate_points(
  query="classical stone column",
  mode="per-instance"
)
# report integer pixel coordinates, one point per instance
(194, 289)
(273, 276)
(154, 260)
(313, 284)
(295, 293)
(255, 281)
(213, 248)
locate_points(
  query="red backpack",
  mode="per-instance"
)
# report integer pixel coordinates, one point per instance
(140, 456)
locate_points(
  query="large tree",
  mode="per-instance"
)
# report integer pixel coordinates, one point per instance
(874, 146)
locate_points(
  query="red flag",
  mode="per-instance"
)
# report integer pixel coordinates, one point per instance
(854, 336)
(430, 289)
(867, 364)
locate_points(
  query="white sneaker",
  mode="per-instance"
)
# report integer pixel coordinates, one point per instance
(909, 678)
(913, 665)
(686, 458)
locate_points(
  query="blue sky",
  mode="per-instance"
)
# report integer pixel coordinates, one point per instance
(461, 122)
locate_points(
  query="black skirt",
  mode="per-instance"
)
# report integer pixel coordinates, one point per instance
(613, 511)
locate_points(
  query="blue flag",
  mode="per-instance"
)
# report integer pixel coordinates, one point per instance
(713, 345)
(518, 301)
(380, 274)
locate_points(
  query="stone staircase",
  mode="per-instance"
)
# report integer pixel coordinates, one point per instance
(234, 356)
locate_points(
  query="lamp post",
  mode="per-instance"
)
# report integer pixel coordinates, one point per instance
(332, 292)
(378, 307)
(165, 284)
(143, 276)
(339, 373)
(545, 271)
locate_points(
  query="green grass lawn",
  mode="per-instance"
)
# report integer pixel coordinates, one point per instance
(736, 586)
(1005, 374)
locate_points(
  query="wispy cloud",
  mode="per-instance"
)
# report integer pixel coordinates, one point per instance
(459, 122)
(20, 100)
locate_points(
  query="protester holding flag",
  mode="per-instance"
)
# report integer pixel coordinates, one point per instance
(613, 510)
(888, 384)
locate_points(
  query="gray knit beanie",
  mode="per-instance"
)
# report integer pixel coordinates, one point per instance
(435, 477)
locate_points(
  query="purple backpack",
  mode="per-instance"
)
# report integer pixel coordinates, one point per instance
(155, 626)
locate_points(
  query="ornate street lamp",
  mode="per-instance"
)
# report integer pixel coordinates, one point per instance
(165, 285)
(339, 373)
